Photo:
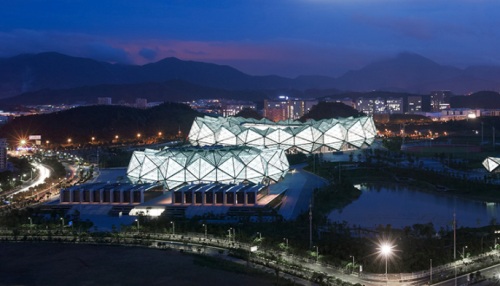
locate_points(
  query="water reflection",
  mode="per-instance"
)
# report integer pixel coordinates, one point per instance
(399, 206)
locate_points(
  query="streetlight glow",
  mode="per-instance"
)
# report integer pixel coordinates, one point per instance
(386, 249)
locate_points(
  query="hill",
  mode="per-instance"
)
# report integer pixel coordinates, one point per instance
(173, 90)
(407, 72)
(32, 72)
(103, 122)
(482, 99)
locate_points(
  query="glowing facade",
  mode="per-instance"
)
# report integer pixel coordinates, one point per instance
(335, 134)
(491, 164)
(235, 164)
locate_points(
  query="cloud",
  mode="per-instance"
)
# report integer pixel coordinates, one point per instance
(148, 54)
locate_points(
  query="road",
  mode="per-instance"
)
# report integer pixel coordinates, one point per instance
(43, 173)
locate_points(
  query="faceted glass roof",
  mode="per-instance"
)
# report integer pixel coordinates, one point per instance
(337, 134)
(176, 166)
(491, 163)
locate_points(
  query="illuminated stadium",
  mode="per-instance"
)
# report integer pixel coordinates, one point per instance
(308, 137)
(491, 164)
(174, 167)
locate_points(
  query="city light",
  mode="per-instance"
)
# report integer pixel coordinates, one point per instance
(386, 250)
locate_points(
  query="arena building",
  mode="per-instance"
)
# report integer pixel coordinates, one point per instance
(491, 164)
(174, 167)
(308, 137)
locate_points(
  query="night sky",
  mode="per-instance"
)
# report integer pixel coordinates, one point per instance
(284, 37)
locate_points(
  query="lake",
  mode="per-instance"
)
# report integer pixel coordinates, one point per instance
(399, 206)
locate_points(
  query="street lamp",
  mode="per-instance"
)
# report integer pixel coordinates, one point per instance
(173, 227)
(138, 226)
(62, 222)
(69, 140)
(205, 226)
(352, 262)
(286, 243)
(317, 253)
(463, 252)
(385, 250)
(31, 223)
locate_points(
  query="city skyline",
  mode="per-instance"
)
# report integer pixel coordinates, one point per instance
(287, 38)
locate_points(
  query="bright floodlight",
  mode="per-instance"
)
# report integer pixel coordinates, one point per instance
(386, 249)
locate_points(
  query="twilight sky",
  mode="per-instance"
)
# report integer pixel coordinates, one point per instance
(259, 37)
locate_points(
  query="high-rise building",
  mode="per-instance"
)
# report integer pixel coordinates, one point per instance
(371, 105)
(394, 105)
(414, 103)
(285, 108)
(276, 110)
(439, 100)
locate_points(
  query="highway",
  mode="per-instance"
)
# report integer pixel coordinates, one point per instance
(43, 173)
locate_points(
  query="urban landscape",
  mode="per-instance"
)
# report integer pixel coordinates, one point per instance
(259, 143)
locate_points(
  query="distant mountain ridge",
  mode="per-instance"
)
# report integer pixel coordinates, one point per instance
(407, 72)
(32, 72)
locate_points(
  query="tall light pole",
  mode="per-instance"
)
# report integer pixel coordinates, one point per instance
(173, 227)
(385, 249)
(430, 273)
(31, 223)
(352, 262)
(286, 243)
(62, 222)
(229, 233)
(317, 253)
(138, 226)
(310, 223)
(205, 226)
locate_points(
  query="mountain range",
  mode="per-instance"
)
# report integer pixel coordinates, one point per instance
(52, 77)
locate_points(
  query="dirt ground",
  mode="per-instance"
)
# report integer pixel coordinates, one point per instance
(68, 264)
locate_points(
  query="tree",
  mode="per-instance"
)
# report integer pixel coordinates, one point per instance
(326, 110)
(249, 113)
